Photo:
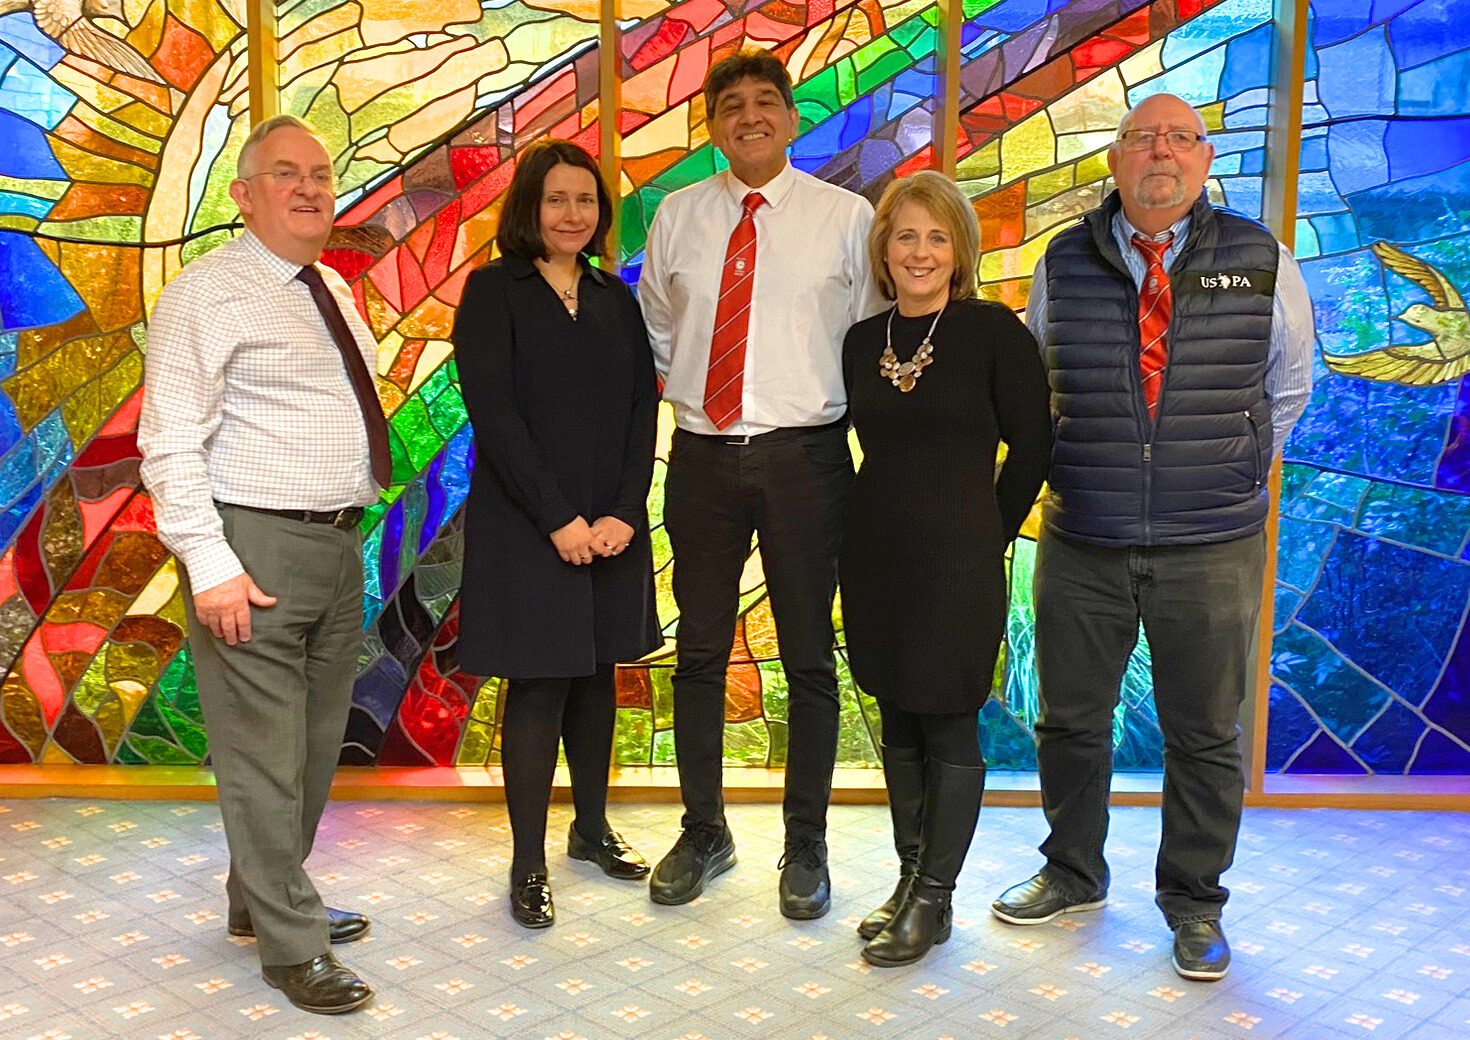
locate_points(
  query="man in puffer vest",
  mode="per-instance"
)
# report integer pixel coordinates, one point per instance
(1177, 338)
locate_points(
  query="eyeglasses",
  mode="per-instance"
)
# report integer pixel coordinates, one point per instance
(292, 179)
(1144, 140)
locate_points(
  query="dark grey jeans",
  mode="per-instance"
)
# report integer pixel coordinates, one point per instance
(276, 708)
(1199, 606)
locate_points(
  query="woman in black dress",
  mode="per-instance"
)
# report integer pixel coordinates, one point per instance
(558, 573)
(934, 384)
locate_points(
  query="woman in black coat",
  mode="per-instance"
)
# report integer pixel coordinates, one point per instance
(558, 575)
(933, 384)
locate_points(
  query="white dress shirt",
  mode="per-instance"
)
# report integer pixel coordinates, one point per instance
(812, 283)
(1293, 327)
(247, 401)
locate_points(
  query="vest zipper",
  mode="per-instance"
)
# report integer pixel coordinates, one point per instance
(1255, 448)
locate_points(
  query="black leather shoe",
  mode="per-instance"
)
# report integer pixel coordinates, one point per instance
(530, 901)
(923, 921)
(615, 856)
(806, 890)
(1039, 900)
(320, 985)
(700, 853)
(343, 926)
(1200, 951)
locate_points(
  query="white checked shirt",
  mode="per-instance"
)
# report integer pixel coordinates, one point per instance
(247, 401)
(812, 282)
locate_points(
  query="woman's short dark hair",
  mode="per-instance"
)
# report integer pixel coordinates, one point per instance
(753, 64)
(519, 233)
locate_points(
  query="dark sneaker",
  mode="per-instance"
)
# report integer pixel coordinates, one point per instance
(806, 889)
(1040, 900)
(700, 853)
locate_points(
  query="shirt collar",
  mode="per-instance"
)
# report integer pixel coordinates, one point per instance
(1124, 229)
(774, 191)
(281, 269)
(520, 267)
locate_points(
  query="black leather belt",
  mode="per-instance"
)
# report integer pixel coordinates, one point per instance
(776, 436)
(339, 518)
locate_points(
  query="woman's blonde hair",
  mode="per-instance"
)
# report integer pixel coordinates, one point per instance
(937, 194)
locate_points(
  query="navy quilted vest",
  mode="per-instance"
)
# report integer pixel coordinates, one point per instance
(1197, 474)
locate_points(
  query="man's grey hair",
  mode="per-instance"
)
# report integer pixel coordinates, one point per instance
(264, 129)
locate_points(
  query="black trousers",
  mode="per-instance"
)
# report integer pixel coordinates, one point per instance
(540, 713)
(1199, 605)
(789, 487)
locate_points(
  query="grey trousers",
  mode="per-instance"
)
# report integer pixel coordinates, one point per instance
(1199, 605)
(276, 709)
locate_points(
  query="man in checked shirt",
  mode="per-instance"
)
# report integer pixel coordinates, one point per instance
(262, 440)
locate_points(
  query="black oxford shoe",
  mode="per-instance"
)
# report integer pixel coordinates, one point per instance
(700, 853)
(1201, 952)
(343, 926)
(1040, 900)
(320, 985)
(530, 901)
(806, 889)
(615, 856)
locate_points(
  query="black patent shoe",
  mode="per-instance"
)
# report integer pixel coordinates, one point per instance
(530, 901)
(1201, 952)
(806, 889)
(321, 985)
(875, 922)
(1039, 900)
(343, 926)
(700, 853)
(924, 920)
(615, 856)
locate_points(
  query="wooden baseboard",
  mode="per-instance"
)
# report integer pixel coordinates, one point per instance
(660, 784)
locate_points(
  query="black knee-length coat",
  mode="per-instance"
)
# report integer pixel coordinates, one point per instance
(565, 415)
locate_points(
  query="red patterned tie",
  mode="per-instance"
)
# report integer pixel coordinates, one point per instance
(1155, 304)
(725, 382)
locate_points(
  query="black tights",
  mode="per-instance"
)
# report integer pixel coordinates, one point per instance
(539, 713)
(954, 739)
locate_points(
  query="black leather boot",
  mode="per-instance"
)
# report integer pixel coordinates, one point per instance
(924, 919)
(903, 774)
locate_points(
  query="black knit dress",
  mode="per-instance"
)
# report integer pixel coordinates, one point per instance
(922, 562)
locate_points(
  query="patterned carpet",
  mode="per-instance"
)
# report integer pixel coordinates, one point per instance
(1344, 924)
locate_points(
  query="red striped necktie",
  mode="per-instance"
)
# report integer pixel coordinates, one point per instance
(724, 384)
(1155, 305)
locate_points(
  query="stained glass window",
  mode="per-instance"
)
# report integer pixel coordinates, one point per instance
(1370, 665)
(114, 174)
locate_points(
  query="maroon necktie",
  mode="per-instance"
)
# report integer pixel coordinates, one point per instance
(724, 384)
(357, 373)
(1155, 305)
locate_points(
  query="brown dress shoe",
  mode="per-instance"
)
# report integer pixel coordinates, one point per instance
(343, 926)
(321, 985)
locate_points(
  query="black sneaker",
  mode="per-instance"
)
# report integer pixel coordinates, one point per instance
(806, 890)
(700, 853)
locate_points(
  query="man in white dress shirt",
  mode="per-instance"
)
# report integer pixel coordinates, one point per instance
(262, 440)
(752, 278)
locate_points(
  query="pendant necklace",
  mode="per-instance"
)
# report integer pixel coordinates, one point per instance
(568, 295)
(905, 375)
